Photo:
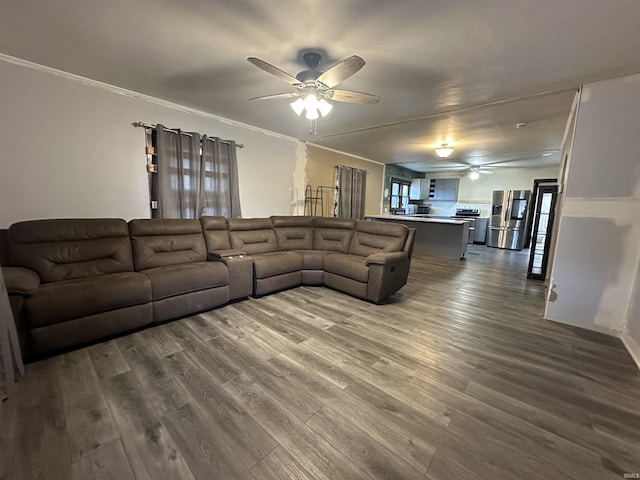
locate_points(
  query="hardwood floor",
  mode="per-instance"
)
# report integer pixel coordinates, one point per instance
(456, 377)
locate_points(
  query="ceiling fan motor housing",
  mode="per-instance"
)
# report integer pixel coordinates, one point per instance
(312, 60)
(306, 75)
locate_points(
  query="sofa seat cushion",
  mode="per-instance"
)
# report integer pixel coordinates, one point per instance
(345, 265)
(190, 277)
(276, 263)
(312, 259)
(61, 301)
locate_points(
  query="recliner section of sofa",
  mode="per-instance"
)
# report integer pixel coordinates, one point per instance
(74, 281)
(172, 254)
(77, 282)
(294, 233)
(272, 269)
(374, 266)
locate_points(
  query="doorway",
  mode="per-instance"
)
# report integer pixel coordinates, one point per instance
(534, 199)
(546, 196)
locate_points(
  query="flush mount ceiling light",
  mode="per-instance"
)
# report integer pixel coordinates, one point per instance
(444, 150)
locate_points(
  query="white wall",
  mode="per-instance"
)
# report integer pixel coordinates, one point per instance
(478, 193)
(69, 149)
(598, 250)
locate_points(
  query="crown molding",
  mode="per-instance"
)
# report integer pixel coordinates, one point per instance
(140, 96)
(344, 153)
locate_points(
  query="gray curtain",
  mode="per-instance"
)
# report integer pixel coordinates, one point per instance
(219, 178)
(196, 175)
(351, 184)
(178, 173)
(10, 358)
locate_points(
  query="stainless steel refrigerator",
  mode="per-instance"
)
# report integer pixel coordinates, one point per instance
(508, 220)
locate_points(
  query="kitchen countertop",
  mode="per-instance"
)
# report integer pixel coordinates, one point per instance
(437, 237)
(420, 219)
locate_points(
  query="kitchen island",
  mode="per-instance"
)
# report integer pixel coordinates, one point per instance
(436, 237)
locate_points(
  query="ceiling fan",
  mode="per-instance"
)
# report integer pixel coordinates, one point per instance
(473, 172)
(314, 87)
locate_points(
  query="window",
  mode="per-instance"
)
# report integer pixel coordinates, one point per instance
(399, 198)
(190, 174)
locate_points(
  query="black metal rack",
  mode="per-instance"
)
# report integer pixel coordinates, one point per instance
(323, 193)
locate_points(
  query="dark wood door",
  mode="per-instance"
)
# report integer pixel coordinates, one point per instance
(543, 219)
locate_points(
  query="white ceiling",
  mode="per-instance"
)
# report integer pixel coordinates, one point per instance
(463, 71)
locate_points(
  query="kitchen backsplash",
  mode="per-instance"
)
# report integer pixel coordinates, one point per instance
(449, 208)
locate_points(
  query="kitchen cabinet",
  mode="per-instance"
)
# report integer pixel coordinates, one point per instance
(443, 189)
(419, 189)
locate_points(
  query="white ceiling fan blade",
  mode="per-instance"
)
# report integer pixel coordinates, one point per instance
(341, 71)
(277, 96)
(267, 67)
(350, 96)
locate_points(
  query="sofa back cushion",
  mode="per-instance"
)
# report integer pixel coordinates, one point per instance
(377, 237)
(252, 235)
(160, 242)
(333, 234)
(63, 249)
(215, 232)
(293, 232)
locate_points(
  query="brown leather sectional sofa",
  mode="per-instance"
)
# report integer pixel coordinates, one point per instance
(73, 281)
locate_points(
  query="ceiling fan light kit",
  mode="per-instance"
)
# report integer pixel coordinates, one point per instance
(312, 107)
(444, 150)
(298, 106)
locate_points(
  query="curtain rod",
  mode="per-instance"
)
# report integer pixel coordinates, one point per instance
(353, 168)
(148, 125)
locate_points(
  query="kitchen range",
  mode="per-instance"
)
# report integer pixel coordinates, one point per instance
(477, 225)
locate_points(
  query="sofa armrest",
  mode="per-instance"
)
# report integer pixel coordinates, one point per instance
(20, 281)
(240, 266)
(388, 273)
(221, 254)
(385, 258)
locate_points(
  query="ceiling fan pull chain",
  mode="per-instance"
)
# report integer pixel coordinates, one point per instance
(313, 127)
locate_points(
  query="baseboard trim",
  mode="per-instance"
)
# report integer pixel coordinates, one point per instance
(632, 347)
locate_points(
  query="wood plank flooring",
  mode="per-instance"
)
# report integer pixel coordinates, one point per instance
(455, 377)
